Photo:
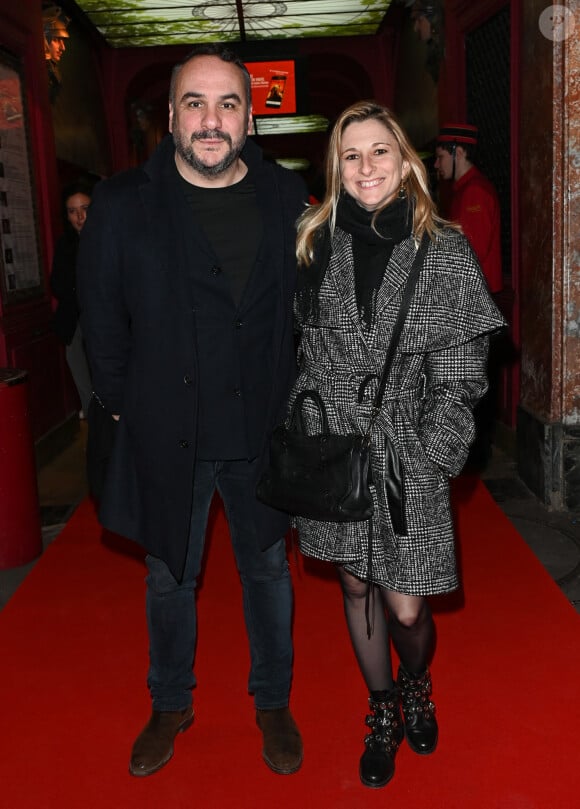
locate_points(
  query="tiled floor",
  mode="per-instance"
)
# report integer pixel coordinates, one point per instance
(553, 536)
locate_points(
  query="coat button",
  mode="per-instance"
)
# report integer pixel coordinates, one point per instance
(184, 444)
(216, 270)
(237, 392)
(238, 324)
(187, 379)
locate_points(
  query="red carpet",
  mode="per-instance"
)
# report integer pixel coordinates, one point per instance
(72, 678)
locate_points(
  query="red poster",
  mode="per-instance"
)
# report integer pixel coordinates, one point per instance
(273, 87)
(10, 104)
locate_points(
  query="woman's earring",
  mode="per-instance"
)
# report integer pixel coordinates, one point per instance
(403, 190)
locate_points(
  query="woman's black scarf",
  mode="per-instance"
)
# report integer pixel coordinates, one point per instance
(372, 248)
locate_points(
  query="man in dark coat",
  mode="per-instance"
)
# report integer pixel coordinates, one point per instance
(186, 279)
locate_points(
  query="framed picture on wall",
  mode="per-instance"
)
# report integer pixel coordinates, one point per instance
(20, 268)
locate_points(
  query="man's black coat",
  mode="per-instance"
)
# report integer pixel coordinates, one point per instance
(138, 252)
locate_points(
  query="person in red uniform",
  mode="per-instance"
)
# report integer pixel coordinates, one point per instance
(474, 204)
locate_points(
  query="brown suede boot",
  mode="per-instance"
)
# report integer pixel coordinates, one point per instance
(282, 749)
(154, 746)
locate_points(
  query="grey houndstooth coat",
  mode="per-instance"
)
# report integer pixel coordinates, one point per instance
(438, 375)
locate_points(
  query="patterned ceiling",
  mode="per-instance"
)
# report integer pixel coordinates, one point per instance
(141, 23)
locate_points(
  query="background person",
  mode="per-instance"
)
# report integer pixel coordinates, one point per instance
(63, 284)
(187, 275)
(475, 206)
(474, 202)
(356, 250)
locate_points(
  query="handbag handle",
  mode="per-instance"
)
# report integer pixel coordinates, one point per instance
(412, 279)
(296, 421)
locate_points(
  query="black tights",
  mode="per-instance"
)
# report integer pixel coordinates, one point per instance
(409, 624)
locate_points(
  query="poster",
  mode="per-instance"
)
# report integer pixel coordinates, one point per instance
(273, 87)
(19, 253)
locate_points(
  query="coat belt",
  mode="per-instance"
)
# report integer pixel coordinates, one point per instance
(354, 379)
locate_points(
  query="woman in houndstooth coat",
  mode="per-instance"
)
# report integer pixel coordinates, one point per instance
(356, 250)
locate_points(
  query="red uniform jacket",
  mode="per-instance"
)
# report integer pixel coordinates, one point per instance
(475, 205)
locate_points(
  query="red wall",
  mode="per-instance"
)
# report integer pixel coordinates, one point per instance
(26, 340)
(21, 35)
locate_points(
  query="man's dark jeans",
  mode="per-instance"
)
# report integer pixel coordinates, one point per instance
(267, 598)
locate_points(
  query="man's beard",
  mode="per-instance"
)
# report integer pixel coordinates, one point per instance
(184, 148)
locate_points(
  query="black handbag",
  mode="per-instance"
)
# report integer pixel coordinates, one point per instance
(323, 476)
(326, 476)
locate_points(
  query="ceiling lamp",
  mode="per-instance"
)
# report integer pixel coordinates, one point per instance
(280, 125)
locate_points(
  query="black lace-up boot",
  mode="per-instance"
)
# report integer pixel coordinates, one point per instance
(377, 764)
(418, 711)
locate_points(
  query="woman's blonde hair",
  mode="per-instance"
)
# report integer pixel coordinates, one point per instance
(425, 217)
